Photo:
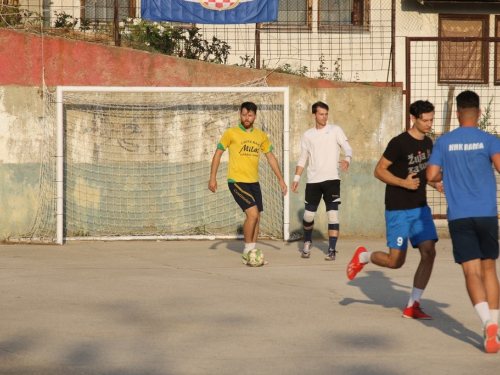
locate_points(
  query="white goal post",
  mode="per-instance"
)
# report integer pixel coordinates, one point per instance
(145, 179)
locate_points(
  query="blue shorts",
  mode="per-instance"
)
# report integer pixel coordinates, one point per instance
(416, 224)
(474, 238)
(246, 194)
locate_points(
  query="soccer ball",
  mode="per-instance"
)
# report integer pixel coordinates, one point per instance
(255, 258)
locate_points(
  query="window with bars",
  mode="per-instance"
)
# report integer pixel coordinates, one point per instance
(463, 61)
(337, 14)
(292, 15)
(104, 10)
(332, 15)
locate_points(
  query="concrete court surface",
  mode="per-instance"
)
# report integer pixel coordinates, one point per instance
(191, 307)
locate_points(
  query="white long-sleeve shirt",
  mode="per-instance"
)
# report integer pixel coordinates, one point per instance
(322, 146)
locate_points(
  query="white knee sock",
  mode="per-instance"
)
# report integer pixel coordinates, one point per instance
(483, 311)
(364, 257)
(494, 316)
(416, 294)
(248, 247)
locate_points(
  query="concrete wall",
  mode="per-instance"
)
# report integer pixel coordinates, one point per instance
(369, 115)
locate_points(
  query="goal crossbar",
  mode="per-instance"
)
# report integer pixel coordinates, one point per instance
(60, 152)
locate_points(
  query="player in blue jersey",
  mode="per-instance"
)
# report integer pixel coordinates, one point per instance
(463, 159)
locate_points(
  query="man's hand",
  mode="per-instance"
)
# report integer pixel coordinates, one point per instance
(212, 185)
(439, 187)
(411, 183)
(344, 165)
(295, 185)
(284, 188)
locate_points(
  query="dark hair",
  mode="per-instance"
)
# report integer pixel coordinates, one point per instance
(421, 106)
(249, 106)
(467, 99)
(319, 104)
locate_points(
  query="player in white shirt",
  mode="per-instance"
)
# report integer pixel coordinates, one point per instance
(321, 145)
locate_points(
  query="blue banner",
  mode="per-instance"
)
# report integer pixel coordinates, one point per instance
(210, 11)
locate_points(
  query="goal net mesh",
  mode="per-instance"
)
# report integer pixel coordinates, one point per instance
(138, 164)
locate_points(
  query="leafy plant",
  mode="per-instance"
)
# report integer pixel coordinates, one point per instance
(337, 72)
(85, 24)
(484, 121)
(173, 40)
(63, 21)
(247, 62)
(288, 69)
(11, 15)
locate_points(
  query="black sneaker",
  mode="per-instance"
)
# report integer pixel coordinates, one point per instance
(331, 254)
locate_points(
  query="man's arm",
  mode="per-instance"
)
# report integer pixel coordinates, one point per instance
(298, 173)
(436, 185)
(271, 159)
(383, 174)
(301, 163)
(212, 183)
(496, 161)
(344, 164)
(433, 173)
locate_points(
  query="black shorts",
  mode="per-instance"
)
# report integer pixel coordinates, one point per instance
(474, 238)
(329, 190)
(246, 194)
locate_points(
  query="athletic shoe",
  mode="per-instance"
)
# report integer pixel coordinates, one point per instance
(331, 254)
(415, 312)
(306, 250)
(355, 265)
(491, 339)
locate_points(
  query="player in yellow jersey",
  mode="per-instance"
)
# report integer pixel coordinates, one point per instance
(245, 143)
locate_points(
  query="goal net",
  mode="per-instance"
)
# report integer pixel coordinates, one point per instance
(135, 162)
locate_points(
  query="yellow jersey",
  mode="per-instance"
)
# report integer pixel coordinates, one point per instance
(244, 152)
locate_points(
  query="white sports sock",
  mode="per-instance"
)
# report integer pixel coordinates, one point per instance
(416, 294)
(483, 310)
(494, 316)
(364, 257)
(248, 248)
(253, 244)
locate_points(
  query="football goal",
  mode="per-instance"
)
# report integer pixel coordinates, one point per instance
(134, 162)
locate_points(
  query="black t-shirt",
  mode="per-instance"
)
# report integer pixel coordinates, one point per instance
(408, 155)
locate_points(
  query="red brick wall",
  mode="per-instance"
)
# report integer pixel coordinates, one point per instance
(74, 63)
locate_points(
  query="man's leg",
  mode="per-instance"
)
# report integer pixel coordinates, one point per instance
(422, 275)
(256, 230)
(482, 286)
(308, 225)
(312, 198)
(424, 270)
(481, 281)
(394, 259)
(251, 225)
(332, 211)
(398, 225)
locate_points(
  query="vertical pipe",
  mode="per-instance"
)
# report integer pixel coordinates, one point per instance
(408, 81)
(257, 45)
(60, 167)
(286, 163)
(393, 42)
(117, 25)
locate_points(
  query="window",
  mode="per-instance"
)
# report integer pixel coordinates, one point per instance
(332, 15)
(104, 10)
(292, 15)
(336, 14)
(463, 62)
